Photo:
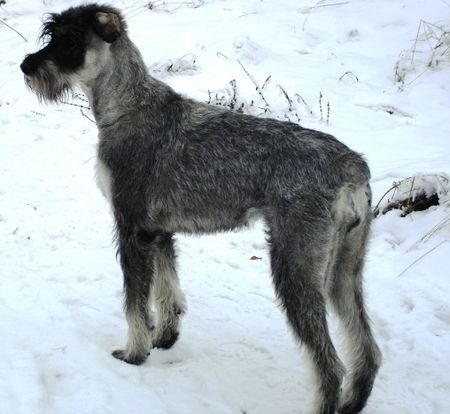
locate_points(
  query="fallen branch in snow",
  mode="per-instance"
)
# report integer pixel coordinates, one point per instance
(420, 203)
(415, 193)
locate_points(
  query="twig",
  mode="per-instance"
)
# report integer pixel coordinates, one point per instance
(375, 210)
(153, 5)
(37, 113)
(440, 178)
(234, 97)
(290, 102)
(90, 158)
(14, 30)
(417, 77)
(318, 5)
(349, 72)
(435, 37)
(221, 54)
(300, 98)
(266, 82)
(80, 97)
(421, 257)
(82, 113)
(134, 5)
(309, 13)
(74, 104)
(320, 106)
(179, 62)
(328, 5)
(444, 222)
(81, 109)
(415, 42)
(287, 97)
(258, 89)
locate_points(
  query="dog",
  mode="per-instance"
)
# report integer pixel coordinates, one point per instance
(169, 164)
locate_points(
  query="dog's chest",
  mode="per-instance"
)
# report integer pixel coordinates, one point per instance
(103, 177)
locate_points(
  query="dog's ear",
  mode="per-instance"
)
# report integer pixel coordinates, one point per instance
(107, 26)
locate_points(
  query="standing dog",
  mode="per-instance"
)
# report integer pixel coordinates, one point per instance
(170, 164)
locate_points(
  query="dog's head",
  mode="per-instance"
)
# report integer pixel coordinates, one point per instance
(75, 44)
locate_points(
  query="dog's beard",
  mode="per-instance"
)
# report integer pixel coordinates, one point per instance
(49, 84)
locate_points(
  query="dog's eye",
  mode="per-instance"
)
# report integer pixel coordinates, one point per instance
(69, 52)
(68, 45)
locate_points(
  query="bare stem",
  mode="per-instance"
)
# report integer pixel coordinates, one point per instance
(258, 88)
(14, 30)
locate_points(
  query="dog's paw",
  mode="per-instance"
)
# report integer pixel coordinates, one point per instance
(134, 359)
(166, 340)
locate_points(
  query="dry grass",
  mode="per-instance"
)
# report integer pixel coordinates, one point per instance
(430, 50)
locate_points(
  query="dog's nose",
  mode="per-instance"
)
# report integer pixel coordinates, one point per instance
(26, 67)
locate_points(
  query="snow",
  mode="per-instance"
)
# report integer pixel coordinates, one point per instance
(60, 288)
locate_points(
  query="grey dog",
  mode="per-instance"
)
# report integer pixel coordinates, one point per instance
(170, 164)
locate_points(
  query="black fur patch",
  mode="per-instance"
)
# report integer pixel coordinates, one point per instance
(67, 34)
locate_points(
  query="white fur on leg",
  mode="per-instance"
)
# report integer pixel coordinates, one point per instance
(169, 298)
(139, 336)
(103, 177)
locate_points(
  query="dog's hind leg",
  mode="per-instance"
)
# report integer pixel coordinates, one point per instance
(169, 298)
(346, 293)
(299, 254)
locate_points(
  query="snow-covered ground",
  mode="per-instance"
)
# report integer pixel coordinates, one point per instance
(60, 285)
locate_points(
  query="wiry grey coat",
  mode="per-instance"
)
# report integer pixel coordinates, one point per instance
(170, 164)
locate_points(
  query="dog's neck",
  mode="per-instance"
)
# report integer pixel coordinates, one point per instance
(122, 80)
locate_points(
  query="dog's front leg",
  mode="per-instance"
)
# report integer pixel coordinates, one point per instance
(136, 250)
